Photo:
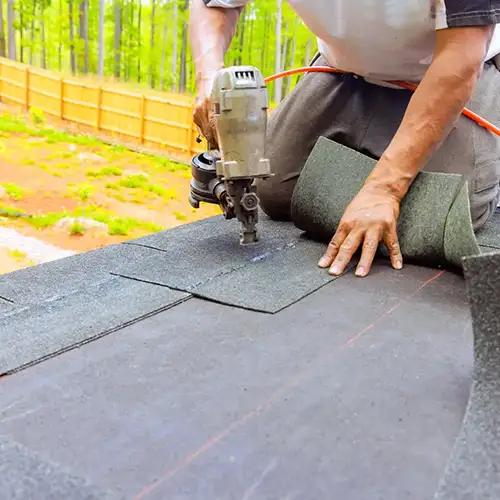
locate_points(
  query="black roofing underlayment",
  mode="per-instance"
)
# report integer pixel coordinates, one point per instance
(25, 475)
(349, 389)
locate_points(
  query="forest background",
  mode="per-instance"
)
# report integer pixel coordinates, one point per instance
(146, 42)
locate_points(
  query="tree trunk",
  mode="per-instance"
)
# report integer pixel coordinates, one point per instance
(11, 33)
(59, 49)
(277, 62)
(11, 19)
(100, 64)
(164, 48)
(32, 44)
(42, 26)
(71, 38)
(83, 55)
(264, 52)
(183, 75)
(288, 86)
(130, 45)
(118, 37)
(242, 37)
(2, 32)
(139, 45)
(152, 69)
(175, 45)
(250, 45)
(21, 31)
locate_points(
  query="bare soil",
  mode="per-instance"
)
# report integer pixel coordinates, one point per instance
(49, 177)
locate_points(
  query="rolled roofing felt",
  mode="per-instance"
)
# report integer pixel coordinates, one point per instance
(434, 225)
(473, 471)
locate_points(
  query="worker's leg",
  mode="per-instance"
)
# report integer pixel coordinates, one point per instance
(322, 104)
(469, 149)
(365, 117)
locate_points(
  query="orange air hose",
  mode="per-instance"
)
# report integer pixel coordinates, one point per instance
(329, 69)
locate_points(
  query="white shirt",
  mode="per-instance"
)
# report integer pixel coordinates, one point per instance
(386, 39)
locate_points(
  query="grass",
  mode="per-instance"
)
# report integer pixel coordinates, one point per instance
(104, 172)
(84, 192)
(17, 255)
(140, 182)
(37, 116)
(116, 225)
(17, 124)
(77, 229)
(62, 166)
(180, 216)
(14, 191)
(44, 221)
(134, 181)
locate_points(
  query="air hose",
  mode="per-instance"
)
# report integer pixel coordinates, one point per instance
(328, 69)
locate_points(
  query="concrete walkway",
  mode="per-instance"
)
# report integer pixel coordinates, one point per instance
(36, 250)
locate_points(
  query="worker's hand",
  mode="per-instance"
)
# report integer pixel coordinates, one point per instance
(202, 116)
(369, 219)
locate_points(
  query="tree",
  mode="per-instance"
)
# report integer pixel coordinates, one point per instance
(2, 32)
(152, 68)
(101, 38)
(118, 37)
(11, 21)
(164, 47)
(83, 35)
(175, 36)
(71, 37)
(146, 41)
(183, 74)
(277, 60)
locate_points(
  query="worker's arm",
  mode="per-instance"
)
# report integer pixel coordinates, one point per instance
(433, 109)
(212, 25)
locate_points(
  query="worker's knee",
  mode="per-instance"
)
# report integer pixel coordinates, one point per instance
(484, 204)
(275, 197)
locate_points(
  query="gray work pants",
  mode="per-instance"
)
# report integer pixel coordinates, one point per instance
(365, 117)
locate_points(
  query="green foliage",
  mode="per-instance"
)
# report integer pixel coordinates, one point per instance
(17, 255)
(43, 27)
(105, 171)
(83, 191)
(180, 216)
(77, 229)
(42, 221)
(119, 227)
(11, 212)
(134, 181)
(19, 125)
(14, 191)
(37, 116)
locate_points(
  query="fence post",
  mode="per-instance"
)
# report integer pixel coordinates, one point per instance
(143, 117)
(99, 104)
(27, 84)
(190, 131)
(61, 103)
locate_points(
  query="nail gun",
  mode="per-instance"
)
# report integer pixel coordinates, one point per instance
(226, 176)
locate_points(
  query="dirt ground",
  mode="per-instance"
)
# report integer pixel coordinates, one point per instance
(47, 176)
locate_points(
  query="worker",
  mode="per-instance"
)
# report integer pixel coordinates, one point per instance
(447, 47)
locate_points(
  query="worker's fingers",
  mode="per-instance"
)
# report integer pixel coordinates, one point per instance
(204, 120)
(346, 251)
(392, 243)
(370, 245)
(333, 248)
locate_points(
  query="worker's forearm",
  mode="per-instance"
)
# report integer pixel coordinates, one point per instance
(211, 32)
(433, 109)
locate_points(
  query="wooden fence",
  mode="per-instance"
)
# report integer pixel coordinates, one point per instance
(156, 121)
